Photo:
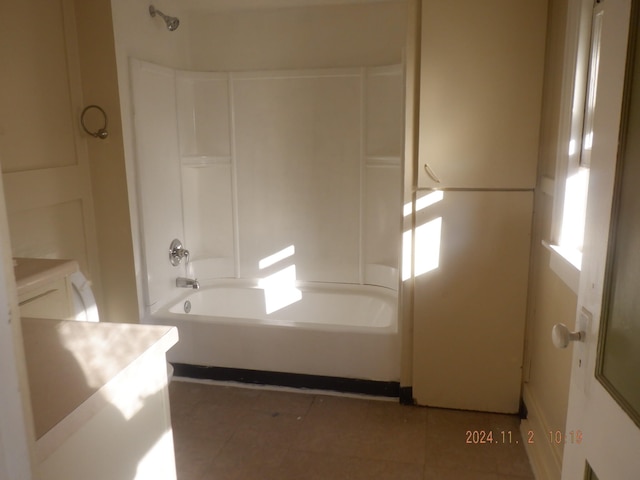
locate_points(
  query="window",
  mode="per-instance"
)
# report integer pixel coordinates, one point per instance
(572, 172)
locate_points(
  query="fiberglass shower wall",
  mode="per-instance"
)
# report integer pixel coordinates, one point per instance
(303, 162)
(294, 150)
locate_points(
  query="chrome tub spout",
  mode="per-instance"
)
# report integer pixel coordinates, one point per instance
(183, 282)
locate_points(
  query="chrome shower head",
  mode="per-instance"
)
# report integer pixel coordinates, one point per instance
(172, 22)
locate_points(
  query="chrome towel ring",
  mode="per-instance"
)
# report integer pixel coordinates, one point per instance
(101, 133)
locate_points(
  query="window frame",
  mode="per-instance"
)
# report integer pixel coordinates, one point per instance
(565, 260)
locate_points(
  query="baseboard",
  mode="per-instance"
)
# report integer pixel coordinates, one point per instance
(291, 380)
(546, 462)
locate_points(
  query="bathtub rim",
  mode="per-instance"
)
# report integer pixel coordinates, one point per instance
(164, 311)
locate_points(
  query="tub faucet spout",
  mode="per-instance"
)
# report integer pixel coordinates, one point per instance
(183, 282)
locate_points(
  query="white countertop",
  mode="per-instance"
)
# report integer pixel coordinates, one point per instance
(69, 362)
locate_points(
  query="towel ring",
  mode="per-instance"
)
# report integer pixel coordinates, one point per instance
(102, 132)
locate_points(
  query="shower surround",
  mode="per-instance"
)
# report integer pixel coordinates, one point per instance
(280, 176)
(286, 181)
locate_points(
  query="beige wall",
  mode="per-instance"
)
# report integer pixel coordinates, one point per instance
(547, 369)
(308, 37)
(106, 158)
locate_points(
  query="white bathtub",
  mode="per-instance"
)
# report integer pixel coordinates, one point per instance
(335, 330)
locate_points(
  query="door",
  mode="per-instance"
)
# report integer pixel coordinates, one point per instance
(45, 167)
(470, 266)
(480, 92)
(602, 437)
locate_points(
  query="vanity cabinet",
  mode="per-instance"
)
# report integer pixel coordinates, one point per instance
(100, 399)
(52, 300)
(44, 287)
(481, 75)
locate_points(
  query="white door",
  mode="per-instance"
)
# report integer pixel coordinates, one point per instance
(45, 167)
(602, 439)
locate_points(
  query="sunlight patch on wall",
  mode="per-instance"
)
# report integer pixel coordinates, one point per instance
(280, 287)
(424, 202)
(425, 257)
(277, 257)
(427, 252)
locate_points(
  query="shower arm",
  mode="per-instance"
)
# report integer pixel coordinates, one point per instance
(153, 11)
(172, 23)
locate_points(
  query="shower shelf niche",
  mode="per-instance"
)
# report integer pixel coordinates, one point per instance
(383, 161)
(196, 161)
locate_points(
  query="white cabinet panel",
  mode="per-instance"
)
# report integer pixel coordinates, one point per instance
(480, 92)
(470, 309)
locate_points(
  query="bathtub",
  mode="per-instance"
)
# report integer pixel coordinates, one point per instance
(330, 330)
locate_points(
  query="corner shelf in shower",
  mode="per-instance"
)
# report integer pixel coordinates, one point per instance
(199, 161)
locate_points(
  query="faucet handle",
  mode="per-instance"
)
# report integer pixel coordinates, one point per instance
(177, 252)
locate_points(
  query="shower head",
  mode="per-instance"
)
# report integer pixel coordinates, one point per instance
(172, 22)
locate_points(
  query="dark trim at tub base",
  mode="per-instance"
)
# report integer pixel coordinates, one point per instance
(523, 412)
(406, 396)
(292, 380)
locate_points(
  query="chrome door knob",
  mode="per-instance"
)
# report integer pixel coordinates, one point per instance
(561, 336)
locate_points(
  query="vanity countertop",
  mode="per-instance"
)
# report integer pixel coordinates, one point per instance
(32, 272)
(71, 363)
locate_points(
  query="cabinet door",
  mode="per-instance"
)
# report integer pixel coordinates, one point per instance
(53, 300)
(480, 92)
(470, 304)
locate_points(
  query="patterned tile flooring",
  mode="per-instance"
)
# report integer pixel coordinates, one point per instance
(224, 432)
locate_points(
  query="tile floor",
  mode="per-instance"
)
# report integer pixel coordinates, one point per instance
(225, 432)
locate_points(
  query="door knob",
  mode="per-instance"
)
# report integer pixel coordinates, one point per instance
(561, 336)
